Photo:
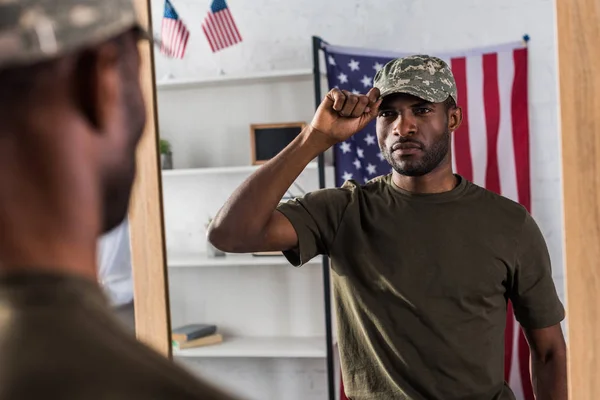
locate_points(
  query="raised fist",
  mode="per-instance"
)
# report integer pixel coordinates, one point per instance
(342, 114)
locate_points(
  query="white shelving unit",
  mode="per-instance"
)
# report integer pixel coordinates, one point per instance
(267, 310)
(202, 260)
(261, 347)
(253, 78)
(220, 170)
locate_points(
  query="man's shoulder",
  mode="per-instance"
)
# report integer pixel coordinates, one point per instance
(496, 204)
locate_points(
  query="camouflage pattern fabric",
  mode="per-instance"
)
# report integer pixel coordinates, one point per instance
(36, 30)
(426, 77)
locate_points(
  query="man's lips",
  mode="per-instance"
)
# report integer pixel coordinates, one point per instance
(406, 147)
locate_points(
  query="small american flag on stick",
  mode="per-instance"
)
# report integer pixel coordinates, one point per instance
(219, 27)
(174, 33)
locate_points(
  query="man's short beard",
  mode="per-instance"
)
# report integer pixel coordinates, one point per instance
(433, 157)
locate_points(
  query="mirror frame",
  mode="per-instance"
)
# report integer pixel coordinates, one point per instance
(151, 288)
(579, 85)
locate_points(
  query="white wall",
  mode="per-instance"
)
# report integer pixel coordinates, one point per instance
(277, 36)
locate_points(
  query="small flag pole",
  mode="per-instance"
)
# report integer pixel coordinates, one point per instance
(215, 58)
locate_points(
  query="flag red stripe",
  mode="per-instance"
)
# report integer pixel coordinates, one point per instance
(168, 37)
(179, 33)
(209, 38)
(226, 30)
(162, 29)
(462, 147)
(214, 31)
(174, 37)
(221, 29)
(217, 31)
(232, 24)
(184, 43)
(208, 33)
(520, 127)
(491, 100)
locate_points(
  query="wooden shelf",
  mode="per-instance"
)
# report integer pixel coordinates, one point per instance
(257, 77)
(265, 347)
(220, 170)
(201, 260)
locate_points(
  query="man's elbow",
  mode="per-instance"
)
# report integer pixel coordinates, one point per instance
(556, 351)
(225, 239)
(219, 238)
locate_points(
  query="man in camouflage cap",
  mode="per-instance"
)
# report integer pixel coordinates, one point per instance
(71, 116)
(423, 261)
(425, 79)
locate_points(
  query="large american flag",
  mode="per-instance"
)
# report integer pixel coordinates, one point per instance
(219, 27)
(174, 33)
(491, 148)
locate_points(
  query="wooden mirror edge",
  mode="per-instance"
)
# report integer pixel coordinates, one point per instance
(148, 254)
(579, 84)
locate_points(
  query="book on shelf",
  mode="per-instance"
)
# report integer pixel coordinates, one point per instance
(199, 342)
(192, 331)
(195, 335)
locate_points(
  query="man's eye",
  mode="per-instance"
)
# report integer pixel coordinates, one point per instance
(420, 111)
(385, 114)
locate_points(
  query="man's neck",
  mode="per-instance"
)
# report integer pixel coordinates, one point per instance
(49, 219)
(440, 180)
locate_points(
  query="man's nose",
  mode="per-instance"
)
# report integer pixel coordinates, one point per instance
(405, 125)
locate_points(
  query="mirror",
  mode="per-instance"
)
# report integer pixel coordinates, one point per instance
(266, 325)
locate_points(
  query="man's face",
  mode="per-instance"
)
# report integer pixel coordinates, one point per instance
(413, 134)
(128, 118)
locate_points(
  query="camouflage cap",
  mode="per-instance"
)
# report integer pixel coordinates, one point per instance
(36, 30)
(426, 77)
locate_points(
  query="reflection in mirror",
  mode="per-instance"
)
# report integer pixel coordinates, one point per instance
(227, 106)
(115, 273)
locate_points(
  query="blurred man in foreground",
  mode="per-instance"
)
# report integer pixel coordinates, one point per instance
(71, 115)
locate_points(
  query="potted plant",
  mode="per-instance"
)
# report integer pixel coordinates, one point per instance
(166, 156)
(212, 251)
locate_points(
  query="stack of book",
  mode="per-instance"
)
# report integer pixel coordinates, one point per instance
(195, 335)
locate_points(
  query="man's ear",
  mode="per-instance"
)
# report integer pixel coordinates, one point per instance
(454, 118)
(97, 84)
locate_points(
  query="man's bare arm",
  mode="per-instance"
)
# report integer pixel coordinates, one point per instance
(249, 221)
(548, 362)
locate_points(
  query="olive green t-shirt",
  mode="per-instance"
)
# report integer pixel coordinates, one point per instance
(421, 283)
(59, 340)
